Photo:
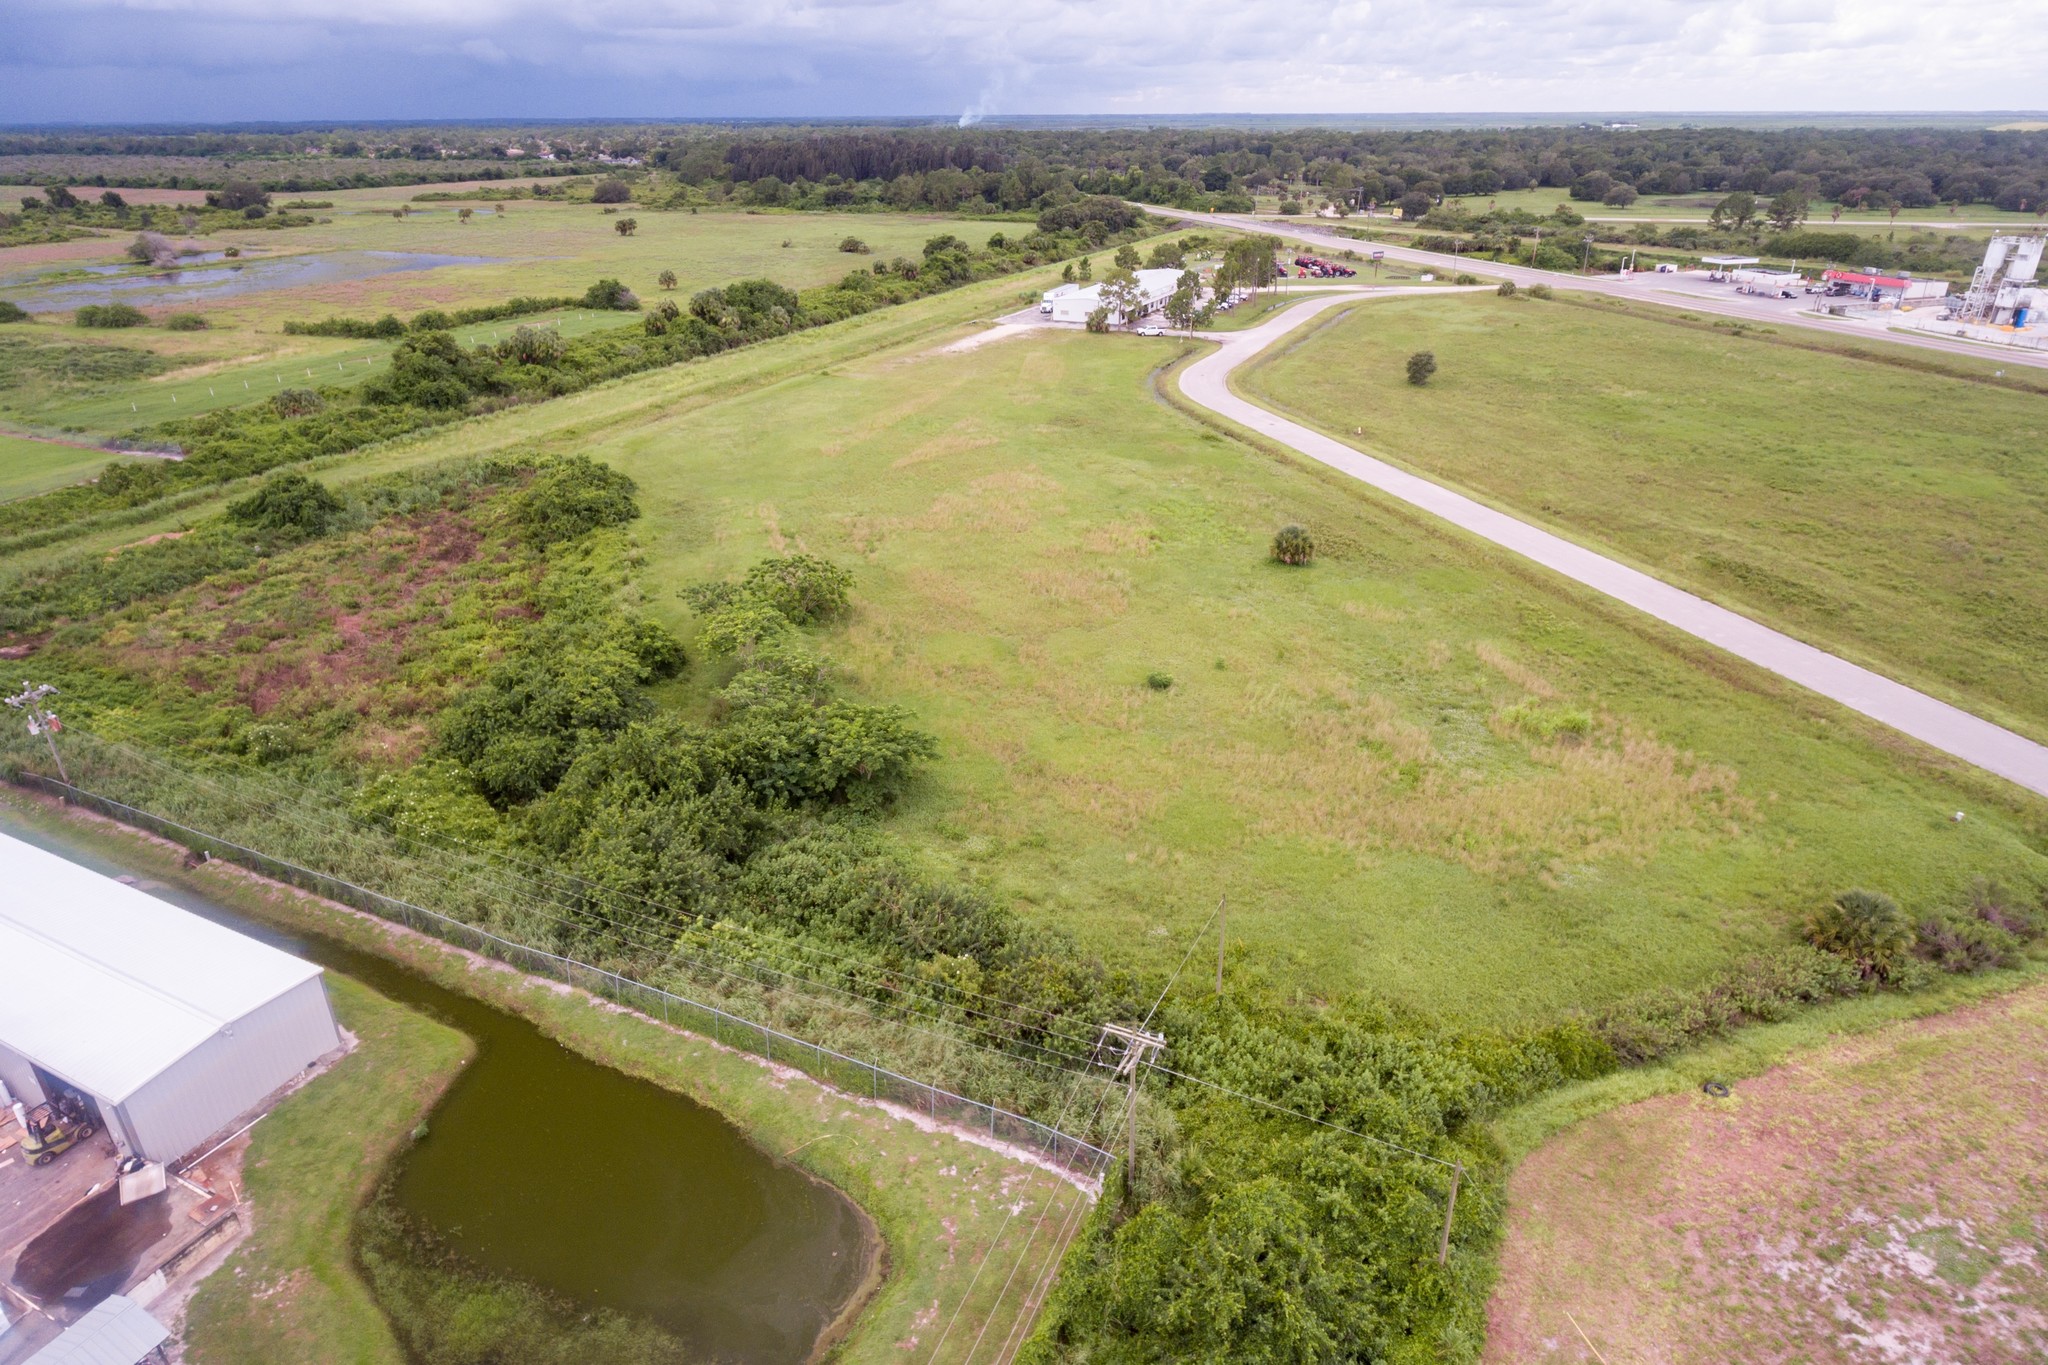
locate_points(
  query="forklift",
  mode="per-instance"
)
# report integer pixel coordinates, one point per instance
(50, 1130)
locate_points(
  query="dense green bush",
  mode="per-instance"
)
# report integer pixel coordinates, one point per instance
(11, 311)
(804, 588)
(185, 322)
(296, 402)
(288, 502)
(572, 496)
(1421, 366)
(109, 315)
(1292, 544)
(1865, 929)
(610, 294)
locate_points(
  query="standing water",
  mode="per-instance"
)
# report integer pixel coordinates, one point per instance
(543, 1166)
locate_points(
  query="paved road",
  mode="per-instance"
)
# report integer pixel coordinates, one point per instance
(1641, 287)
(1934, 723)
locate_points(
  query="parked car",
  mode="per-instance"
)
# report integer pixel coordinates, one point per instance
(1666, 268)
(1151, 331)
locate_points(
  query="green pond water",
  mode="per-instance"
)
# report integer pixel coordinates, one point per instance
(544, 1166)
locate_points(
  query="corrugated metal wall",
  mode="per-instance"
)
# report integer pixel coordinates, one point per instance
(214, 1084)
(20, 1076)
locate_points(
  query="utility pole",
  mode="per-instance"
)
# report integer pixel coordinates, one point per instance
(1222, 921)
(1443, 1247)
(41, 719)
(1126, 1048)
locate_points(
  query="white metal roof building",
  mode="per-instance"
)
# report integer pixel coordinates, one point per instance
(1076, 304)
(118, 1331)
(171, 1024)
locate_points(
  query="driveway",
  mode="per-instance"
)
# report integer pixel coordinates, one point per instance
(1935, 723)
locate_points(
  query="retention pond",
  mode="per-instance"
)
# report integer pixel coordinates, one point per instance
(544, 1166)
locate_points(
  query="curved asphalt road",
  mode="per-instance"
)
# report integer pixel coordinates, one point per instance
(1934, 723)
(1310, 234)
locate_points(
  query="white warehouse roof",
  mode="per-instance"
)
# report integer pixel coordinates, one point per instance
(107, 986)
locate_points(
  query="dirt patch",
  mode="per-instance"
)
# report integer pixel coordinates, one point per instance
(1880, 1200)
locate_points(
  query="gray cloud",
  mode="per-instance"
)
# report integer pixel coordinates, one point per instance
(218, 59)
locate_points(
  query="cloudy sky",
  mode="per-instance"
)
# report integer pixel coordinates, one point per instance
(128, 60)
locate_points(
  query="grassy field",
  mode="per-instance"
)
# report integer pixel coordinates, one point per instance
(1408, 765)
(1876, 1198)
(1412, 768)
(1699, 206)
(200, 385)
(536, 248)
(1888, 514)
(31, 467)
(943, 1206)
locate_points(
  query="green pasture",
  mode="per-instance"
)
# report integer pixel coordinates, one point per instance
(1414, 768)
(548, 250)
(201, 385)
(30, 467)
(1897, 516)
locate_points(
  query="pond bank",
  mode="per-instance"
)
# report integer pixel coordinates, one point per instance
(941, 1204)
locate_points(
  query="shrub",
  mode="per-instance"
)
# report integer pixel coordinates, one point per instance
(666, 279)
(11, 311)
(626, 226)
(1292, 544)
(1539, 291)
(1465, 277)
(532, 346)
(432, 320)
(1159, 682)
(288, 502)
(1864, 929)
(1098, 321)
(570, 496)
(296, 403)
(1421, 366)
(854, 246)
(1506, 290)
(185, 322)
(109, 315)
(610, 294)
(1290, 207)
(152, 248)
(1761, 989)
(803, 588)
(611, 190)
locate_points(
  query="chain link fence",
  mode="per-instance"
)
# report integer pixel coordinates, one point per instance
(849, 1074)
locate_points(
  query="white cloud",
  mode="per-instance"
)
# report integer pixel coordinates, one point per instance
(682, 57)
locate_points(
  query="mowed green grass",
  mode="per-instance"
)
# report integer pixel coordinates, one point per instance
(31, 467)
(1414, 768)
(1895, 516)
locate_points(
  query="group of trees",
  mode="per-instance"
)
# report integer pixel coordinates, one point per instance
(1006, 169)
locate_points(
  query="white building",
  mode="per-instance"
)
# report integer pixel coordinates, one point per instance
(171, 1025)
(1074, 303)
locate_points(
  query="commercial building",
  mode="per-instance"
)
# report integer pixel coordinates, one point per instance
(1075, 303)
(169, 1025)
(1883, 289)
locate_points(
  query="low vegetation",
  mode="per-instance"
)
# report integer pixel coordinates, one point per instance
(1908, 538)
